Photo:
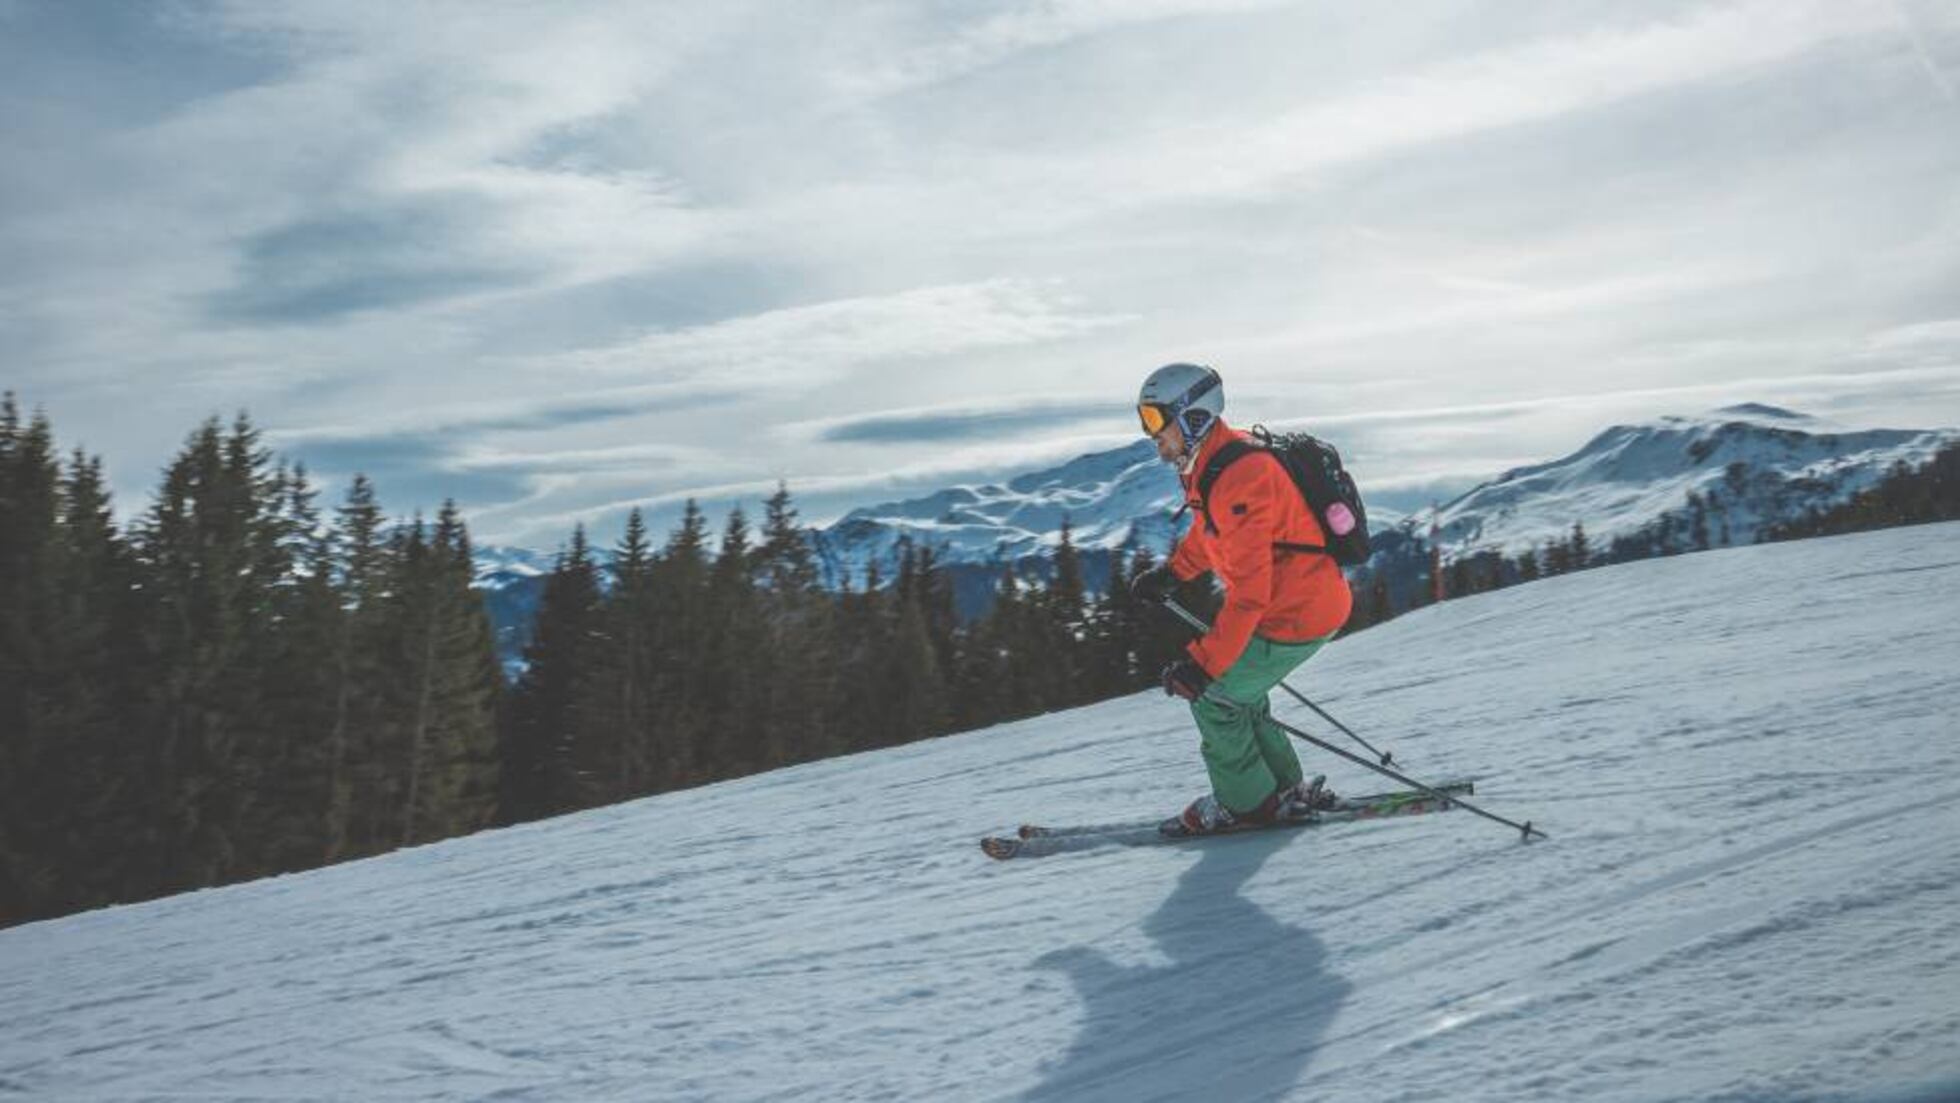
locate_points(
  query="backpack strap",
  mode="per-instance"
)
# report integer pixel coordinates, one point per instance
(1227, 454)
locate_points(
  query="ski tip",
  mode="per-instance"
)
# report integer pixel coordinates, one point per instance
(1000, 848)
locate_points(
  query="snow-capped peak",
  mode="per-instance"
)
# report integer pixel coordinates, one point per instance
(1748, 465)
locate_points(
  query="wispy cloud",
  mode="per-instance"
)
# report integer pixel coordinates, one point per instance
(805, 346)
(550, 259)
(1024, 416)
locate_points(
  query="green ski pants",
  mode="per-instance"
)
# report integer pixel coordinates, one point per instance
(1246, 754)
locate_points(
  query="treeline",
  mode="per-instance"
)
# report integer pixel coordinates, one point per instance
(240, 683)
(1407, 573)
(233, 687)
(670, 667)
(1906, 496)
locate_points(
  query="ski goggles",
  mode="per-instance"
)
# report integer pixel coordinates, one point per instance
(1156, 415)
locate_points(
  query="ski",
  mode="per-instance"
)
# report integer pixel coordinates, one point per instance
(1038, 841)
(1339, 803)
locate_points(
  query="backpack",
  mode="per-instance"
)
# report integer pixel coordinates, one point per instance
(1315, 467)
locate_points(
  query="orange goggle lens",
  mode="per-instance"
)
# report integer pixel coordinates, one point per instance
(1154, 418)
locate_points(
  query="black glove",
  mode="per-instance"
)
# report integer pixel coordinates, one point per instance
(1185, 678)
(1154, 585)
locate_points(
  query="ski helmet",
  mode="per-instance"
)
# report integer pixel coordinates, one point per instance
(1190, 394)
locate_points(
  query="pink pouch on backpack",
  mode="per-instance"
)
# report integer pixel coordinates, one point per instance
(1340, 519)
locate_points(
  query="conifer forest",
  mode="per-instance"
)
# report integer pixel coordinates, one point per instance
(240, 680)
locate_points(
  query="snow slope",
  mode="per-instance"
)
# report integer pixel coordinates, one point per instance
(1746, 759)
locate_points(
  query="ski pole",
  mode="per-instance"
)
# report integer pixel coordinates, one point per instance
(1289, 729)
(1187, 616)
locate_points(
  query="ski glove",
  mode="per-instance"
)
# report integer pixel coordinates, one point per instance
(1185, 678)
(1154, 585)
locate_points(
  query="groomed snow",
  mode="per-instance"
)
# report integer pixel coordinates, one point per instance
(1746, 760)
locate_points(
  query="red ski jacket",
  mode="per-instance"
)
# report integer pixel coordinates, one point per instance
(1285, 596)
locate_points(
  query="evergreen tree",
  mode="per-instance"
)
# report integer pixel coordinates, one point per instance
(91, 648)
(29, 478)
(1528, 565)
(446, 680)
(294, 789)
(358, 561)
(913, 690)
(795, 669)
(64, 732)
(732, 647)
(620, 684)
(680, 598)
(1556, 558)
(542, 755)
(986, 686)
(861, 719)
(1698, 522)
(210, 581)
(1380, 608)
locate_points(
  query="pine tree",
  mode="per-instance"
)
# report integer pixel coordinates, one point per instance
(359, 565)
(619, 685)
(796, 667)
(29, 863)
(1380, 608)
(680, 600)
(295, 786)
(860, 718)
(54, 620)
(1698, 522)
(203, 552)
(448, 670)
(542, 755)
(732, 647)
(92, 645)
(985, 689)
(915, 694)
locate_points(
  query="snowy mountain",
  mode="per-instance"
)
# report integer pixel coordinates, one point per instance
(1751, 892)
(511, 581)
(1109, 499)
(1758, 464)
(1748, 466)
(500, 568)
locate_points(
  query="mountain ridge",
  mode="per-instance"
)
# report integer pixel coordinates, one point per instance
(1624, 481)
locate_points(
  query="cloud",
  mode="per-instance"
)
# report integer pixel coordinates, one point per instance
(418, 472)
(1007, 30)
(1031, 414)
(329, 266)
(805, 346)
(548, 258)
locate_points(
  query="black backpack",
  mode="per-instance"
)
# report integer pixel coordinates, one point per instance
(1315, 467)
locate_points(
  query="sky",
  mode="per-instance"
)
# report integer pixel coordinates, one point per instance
(558, 260)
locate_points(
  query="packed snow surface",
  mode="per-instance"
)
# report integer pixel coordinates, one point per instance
(1745, 759)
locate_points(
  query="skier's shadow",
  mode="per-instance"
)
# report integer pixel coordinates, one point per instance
(1236, 1014)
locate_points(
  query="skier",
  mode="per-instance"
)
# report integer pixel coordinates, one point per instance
(1281, 605)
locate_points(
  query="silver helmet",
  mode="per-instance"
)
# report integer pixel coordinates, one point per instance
(1192, 395)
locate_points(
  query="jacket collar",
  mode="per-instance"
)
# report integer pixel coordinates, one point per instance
(1214, 440)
